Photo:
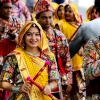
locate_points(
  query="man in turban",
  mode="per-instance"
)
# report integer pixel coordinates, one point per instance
(57, 42)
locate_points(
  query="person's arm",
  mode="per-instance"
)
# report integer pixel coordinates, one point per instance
(53, 75)
(10, 87)
(7, 74)
(14, 31)
(7, 81)
(49, 87)
(25, 11)
(66, 79)
(15, 89)
(6, 86)
(76, 43)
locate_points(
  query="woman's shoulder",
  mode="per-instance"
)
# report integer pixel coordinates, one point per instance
(12, 55)
(11, 58)
(48, 55)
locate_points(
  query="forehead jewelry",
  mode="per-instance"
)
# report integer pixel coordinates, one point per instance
(68, 6)
(33, 25)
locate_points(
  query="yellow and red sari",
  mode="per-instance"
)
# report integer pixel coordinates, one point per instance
(20, 64)
(70, 30)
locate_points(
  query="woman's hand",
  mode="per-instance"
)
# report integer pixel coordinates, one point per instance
(25, 88)
(47, 90)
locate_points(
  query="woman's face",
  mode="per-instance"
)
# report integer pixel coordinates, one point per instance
(32, 38)
(60, 12)
(69, 14)
(94, 14)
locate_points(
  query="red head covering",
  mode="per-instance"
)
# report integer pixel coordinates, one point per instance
(5, 1)
(41, 6)
(14, 0)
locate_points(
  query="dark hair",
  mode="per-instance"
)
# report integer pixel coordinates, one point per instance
(38, 15)
(34, 25)
(66, 6)
(1, 4)
(97, 5)
(59, 8)
(93, 9)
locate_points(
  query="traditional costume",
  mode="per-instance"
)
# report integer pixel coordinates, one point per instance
(58, 45)
(6, 43)
(19, 9)
(56, 17)
(91, 66)
(88, 36)
(70, 30)
(22, 64)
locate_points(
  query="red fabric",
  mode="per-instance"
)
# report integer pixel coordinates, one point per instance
(41, 6)
(1, 95)
(5, 1)
(61, 66)
(6, 46)
(14, 0)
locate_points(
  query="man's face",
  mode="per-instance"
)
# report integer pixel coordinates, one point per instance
(45, 19)
(5, 10)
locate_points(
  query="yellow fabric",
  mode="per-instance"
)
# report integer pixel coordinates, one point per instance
(74, 8)
(41, 6)
(31, 66)
(56, 19)
(87, 20)
(54, 5)
(68, 30)
(62, 4)
(33, 17)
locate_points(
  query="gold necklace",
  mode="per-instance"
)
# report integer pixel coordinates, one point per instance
(35, 55)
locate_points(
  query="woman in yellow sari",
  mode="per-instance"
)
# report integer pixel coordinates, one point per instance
(28, 59)
(69, 27)
(59, 13)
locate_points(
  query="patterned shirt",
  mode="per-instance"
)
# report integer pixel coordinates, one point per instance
(6, 43)
(11, 73)
(59, 46)
(20, 8)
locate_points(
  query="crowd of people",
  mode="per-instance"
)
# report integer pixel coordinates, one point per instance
(48, 52)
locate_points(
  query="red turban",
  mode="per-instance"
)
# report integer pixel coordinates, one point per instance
(5, 1)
